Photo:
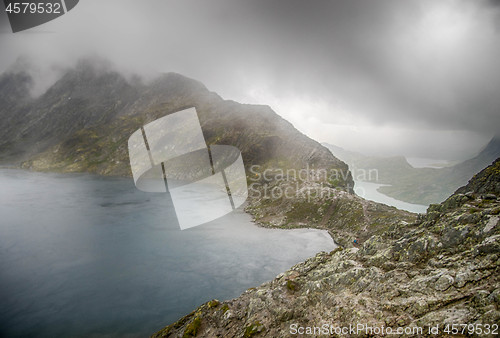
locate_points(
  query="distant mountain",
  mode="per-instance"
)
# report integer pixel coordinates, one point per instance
(82, 98)
(362, 166)
(462, 171)
(415, 185)
(83, 121)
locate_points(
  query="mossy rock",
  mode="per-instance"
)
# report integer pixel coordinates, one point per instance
(291, 286)
(213, 303)
(253, 329)
(434, 207)
(192, 328)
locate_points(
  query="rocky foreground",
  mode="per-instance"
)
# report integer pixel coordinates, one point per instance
(431, 275)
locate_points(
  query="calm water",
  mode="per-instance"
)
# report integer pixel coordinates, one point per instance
(368, 191)
(420, 162)
(82, 255)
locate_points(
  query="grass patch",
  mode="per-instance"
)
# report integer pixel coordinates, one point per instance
(303, 211)
(192, 328)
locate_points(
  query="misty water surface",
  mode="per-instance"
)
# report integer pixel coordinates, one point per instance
(83, 255)
(368, 190)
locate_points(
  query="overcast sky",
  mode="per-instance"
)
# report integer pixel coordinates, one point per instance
(418, 78)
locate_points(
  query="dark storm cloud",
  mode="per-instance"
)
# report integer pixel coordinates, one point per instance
(389, 65)
(423, 65)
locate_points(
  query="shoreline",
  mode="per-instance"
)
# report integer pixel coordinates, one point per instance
(340, 237)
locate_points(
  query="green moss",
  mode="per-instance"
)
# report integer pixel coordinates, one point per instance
(192, 328)
(165, 331)
(291, 285)
(225, 308)
(473, 210)
(484, 203)
(434, 207)
(252, 329)
(337, 249)
(334, 182)
(213, 303)
(303, 211)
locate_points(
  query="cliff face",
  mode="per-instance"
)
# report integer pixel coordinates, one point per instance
(441, 270)
(83, 121)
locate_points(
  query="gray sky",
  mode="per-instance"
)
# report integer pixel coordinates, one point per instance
(416, 77)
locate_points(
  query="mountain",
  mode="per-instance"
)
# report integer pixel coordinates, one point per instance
(82, 98)
(462, 171)
(384, 170)
(402, 270)
(440, 270)
(83, 121)
(432, 186)
(415, 185)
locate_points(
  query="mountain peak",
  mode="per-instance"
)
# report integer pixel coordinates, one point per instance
(14, 86)
(83, 120)
(176, 83)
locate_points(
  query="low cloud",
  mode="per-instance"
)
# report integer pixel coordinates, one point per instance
(409, 74)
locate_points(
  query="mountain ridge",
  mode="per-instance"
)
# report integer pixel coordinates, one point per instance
(88, 100)
(86, 141)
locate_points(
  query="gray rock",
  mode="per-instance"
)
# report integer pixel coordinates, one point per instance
(470, 195)
(444, 282)
(489, 245)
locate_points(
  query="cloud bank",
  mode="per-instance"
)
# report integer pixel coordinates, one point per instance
(419, 78)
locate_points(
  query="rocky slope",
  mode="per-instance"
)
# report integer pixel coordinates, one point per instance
(440, 270)
(312, 203)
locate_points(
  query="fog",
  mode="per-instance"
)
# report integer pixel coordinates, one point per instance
(417, 78)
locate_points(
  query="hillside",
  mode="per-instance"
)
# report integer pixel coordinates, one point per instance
(432, 186)
(415, 185)
(82, 124)
(83, 121)
(441, 270)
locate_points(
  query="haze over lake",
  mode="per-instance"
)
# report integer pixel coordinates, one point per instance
(86, 255)
(368, 190)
